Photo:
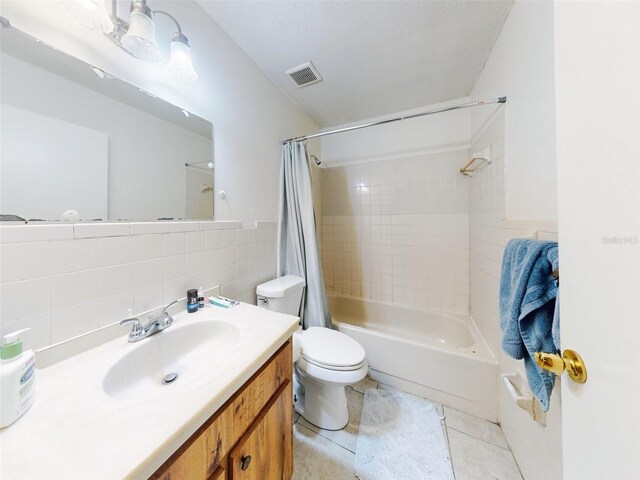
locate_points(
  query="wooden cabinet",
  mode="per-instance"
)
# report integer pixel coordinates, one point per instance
(255, 422)
(265, 451)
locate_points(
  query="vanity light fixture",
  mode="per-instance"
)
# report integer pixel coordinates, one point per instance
(92, 14)
(138, 36)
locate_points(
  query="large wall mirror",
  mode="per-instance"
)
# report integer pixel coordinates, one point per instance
(74, 138)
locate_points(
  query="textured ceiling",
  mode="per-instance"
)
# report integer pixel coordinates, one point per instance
(375, 57)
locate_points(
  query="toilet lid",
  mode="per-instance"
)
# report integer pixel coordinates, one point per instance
(324, 346)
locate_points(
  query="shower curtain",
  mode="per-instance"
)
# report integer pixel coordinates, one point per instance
(298, 252)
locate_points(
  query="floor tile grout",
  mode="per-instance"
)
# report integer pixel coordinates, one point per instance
(481, 439)
(319, 434)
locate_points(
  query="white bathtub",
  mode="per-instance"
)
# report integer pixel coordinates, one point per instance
(438, 355)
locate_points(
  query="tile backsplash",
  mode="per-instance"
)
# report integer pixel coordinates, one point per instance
(398, 231)
(67, 280)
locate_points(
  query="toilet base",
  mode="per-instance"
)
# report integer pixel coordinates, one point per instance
(320, 403)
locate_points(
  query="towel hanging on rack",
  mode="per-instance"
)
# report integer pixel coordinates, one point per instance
(528, 314)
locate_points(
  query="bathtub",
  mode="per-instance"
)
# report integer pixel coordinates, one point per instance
(438, 355)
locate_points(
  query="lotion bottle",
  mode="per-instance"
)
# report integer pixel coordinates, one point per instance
(17, 378)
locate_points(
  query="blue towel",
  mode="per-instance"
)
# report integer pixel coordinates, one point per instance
(528, 308)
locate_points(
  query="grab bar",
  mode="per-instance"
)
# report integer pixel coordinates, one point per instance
(526, 402)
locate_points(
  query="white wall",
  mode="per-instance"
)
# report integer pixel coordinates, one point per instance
(521, 66)
(537, 449)
(146, 177)
(433, 133)
(250, 115)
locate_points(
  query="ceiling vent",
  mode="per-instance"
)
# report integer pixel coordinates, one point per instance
(304, 74)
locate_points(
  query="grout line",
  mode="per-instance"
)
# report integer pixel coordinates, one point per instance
(446, 434)
(320, 435)
(481, 439)
(327, 438)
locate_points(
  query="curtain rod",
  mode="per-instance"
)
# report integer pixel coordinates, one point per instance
(476, 103)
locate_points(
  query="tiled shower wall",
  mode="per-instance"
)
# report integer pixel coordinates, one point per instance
(397, 231)
(66, 280)
(537, 448)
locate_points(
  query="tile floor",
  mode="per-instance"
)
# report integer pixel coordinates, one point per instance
(478, 448)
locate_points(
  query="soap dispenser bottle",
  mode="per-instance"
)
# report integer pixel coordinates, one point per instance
(17, 378)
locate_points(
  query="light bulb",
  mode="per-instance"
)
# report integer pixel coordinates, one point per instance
(91, 14)
(140, 39)
(180, 66)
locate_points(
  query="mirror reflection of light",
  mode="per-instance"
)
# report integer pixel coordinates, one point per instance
(363, 187)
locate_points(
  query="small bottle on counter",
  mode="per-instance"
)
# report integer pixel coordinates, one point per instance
(17, 378)
(192, 300)
(200, 298)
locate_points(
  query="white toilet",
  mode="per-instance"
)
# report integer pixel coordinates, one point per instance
(325, 360)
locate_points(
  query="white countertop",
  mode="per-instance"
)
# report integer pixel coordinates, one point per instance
(75, 430)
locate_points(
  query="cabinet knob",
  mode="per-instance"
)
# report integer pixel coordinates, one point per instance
(245, 461)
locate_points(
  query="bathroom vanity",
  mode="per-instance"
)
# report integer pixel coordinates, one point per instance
(106, 414)
(249, 437)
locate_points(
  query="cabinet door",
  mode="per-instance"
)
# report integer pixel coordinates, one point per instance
(265, 452)
(219, 474)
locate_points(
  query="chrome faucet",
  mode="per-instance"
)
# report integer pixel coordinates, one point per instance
(155, 325)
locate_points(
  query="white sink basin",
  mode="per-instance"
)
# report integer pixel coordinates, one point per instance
(187, 349)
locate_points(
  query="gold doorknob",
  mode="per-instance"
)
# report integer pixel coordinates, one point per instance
(569, 361)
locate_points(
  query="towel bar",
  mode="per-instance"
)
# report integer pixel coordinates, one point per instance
(484, 157)
(526, 402)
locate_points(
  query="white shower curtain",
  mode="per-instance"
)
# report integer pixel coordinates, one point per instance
(298, 252)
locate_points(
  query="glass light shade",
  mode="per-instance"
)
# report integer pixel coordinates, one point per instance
(91, 14)
(140, 39)
(180, 66)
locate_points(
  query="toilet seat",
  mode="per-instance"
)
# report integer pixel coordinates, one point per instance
(332, 350)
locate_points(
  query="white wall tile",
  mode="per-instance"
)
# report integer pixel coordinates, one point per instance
(23, 299)
(213, 239)
(116, 279)
(35, 233)
(174, 289)
(141, 228)
(85, 283)
(147, 298)
(23, 261)
(173, 267)
(414, 251)
(173, 244)
(147, 246)
(67, 256)
(89, 230)
(147, 272)
(184, 226)
(114, 308)
(195, 280)
(39, 335)
(113, 251)
(195, 242)
(72, 288)
(72, 321)
(195, 262)
(228, 238)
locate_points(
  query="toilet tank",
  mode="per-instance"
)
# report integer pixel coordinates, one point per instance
(282, 294)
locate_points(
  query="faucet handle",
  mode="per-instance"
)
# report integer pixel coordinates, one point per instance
(136, 327)
(164, 310)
